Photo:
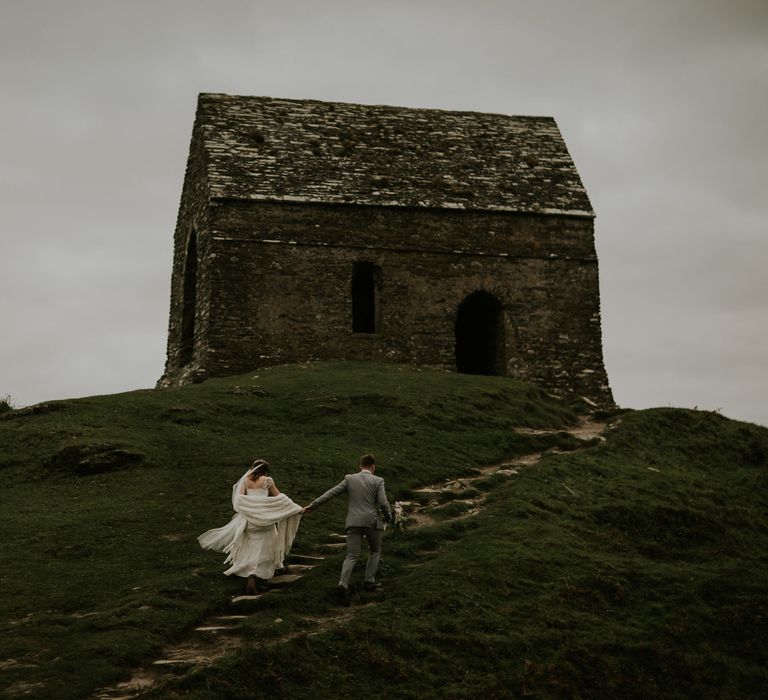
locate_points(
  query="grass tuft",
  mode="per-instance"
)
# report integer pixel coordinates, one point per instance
(6, 404)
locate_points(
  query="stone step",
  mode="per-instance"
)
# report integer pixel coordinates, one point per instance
(463, 501)
(300, 568)
(304, 558)
(241, 598)
(213, 628)
(334, 545)
(337, 535)
(538, 431)
(174, 662)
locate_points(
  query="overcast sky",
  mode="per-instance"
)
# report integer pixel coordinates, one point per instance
(663, 105)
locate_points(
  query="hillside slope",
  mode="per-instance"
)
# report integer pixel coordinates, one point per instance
(636, 567)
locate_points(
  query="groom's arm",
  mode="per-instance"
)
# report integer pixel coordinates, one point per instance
(329, 494)
(381, 500)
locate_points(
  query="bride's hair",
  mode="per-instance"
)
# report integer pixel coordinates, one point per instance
(259, 467)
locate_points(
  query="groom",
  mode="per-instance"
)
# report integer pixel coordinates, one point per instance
(365, 496)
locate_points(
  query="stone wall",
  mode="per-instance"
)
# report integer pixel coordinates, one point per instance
(193, 219)
(275, 286)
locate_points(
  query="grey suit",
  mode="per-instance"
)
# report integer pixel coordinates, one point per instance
(366, 497)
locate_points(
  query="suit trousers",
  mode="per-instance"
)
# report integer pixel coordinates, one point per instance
(354, 545)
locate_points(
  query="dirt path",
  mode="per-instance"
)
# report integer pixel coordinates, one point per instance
(219, 634)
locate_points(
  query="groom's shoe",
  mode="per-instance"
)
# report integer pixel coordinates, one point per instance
(343, 596)
(371, 587)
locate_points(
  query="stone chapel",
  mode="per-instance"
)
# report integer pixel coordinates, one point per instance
(324, 230)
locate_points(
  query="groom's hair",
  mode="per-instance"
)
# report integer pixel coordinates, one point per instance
(367, 461)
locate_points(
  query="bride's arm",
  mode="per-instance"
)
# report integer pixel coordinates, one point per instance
(272, 488)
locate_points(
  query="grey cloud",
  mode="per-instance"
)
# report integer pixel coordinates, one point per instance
(663, 107)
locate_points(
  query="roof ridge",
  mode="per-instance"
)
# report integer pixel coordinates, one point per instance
(377, 105)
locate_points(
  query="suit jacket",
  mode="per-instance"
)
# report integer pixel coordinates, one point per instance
(365, 496)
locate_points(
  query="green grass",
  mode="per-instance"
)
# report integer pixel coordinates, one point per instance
(646, 579)
(100, 565)
(636, 568)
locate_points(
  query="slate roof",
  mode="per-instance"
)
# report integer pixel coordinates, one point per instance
(262, 148)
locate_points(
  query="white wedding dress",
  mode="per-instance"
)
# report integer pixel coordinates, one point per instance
(260, 534)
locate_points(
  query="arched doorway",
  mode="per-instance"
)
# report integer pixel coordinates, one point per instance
(189, 302)
(480, 345)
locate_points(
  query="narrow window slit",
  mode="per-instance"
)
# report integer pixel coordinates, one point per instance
(365, 293)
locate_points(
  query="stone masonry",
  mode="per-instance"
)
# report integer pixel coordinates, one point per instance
(315, 230)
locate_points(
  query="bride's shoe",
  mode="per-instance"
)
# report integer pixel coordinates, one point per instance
(250, 587)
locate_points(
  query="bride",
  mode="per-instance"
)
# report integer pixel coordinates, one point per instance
(261, 532)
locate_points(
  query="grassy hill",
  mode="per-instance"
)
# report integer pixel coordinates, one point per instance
(636, 567)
